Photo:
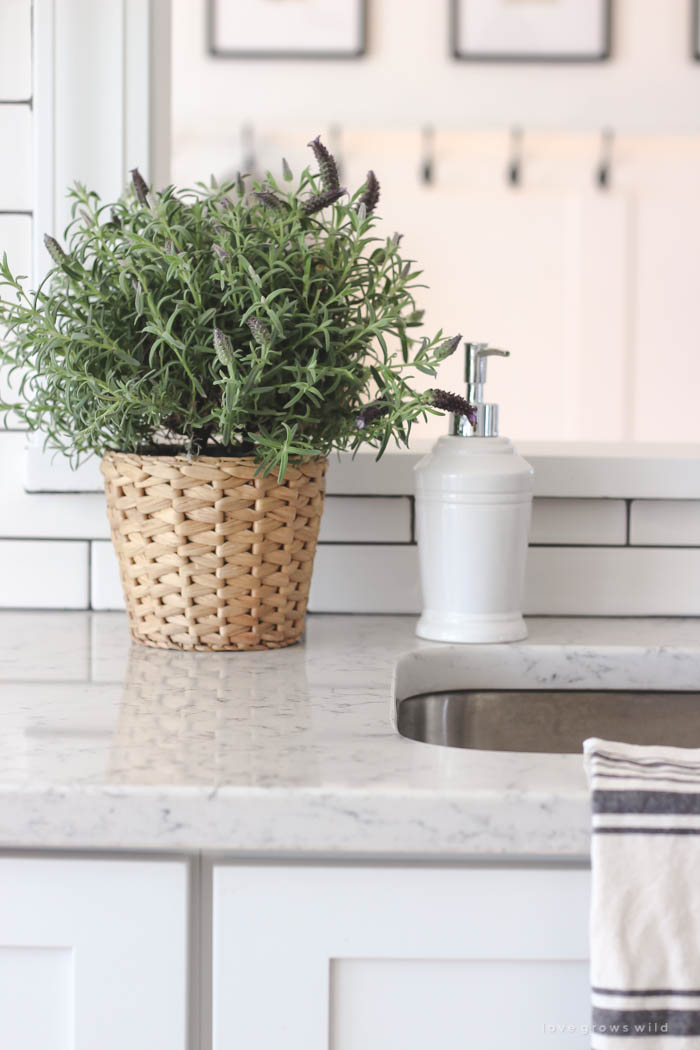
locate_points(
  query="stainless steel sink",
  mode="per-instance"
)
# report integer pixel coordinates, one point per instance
(555, 721)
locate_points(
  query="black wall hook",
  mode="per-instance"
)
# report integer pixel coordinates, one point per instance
(427, 168)
(248, 159)
(335, 135)
(603, 175)
(514, 171)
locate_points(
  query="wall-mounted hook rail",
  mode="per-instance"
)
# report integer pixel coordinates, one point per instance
(603, 174)
(427, 167)
(249, 161)
(514, 171)
(335, 136)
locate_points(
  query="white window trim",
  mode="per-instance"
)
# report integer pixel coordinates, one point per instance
(89, 123)
(101, 106)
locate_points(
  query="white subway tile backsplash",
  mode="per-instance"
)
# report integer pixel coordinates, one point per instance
(356, 519)
(105, 584)
(356, 578)
(347, 578)
(579, 521)
(29, 515)
(665, 522)
(16, 147)
(571, 470)
(46, 470)
(43, 574)
(363, 474)
(604, 581)
(16, 50)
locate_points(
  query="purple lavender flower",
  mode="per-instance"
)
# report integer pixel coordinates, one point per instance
(450, 402)
(223, 347)
(259, 331)
(55, 250)
(330, 180)
(370, 195)
(140, 187)
(221, 254)
(369, 414)
(447, 348)
(321, 200)
(269, 199)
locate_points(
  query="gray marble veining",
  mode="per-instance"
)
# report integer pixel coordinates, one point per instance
(108, 746)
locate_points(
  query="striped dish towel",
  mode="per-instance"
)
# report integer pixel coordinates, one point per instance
(645, 910)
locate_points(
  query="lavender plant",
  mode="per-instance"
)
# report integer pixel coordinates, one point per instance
(226, 319)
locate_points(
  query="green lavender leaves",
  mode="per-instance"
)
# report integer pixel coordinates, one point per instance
(260, 319)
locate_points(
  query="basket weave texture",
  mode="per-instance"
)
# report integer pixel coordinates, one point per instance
(210, 556)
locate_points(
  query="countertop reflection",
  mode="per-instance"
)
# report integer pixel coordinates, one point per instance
(104, 744)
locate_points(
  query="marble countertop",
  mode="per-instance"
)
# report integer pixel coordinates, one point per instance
(104, 745)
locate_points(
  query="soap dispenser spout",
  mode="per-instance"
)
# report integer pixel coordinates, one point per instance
(486, 425)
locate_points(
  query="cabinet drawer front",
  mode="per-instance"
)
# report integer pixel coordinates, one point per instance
(355, 957)
(93, 954)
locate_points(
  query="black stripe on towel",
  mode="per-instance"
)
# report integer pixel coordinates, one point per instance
(646, 1022)
(643, 992)
(646, 802)
(646, 831)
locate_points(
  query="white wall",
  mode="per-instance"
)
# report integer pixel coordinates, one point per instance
(407, 78)
(590, 290)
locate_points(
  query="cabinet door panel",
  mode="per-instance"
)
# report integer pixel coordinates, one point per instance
(486, 1002)
(313, 957)
(92, 954)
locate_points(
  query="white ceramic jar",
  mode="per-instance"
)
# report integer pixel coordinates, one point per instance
(473, 506)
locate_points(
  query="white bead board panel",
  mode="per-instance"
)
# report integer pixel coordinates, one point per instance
(16, 240)
(74, 932)
(674, 523)
(666, 277)
(15, 50)
(352, 925)
(16, 143)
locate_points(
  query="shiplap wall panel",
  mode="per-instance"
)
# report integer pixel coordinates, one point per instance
(666, 373)
(15, 49)
(16, 240)
(16, 168)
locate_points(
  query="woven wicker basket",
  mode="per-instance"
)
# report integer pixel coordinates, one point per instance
(212, 557)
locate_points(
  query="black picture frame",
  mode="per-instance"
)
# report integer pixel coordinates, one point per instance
(234, 53)
(602, 56)
(695, 30)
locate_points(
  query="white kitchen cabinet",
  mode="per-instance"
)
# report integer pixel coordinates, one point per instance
(93, 954)
(388, 957)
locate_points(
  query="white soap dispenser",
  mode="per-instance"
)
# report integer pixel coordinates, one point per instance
(473, 504)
